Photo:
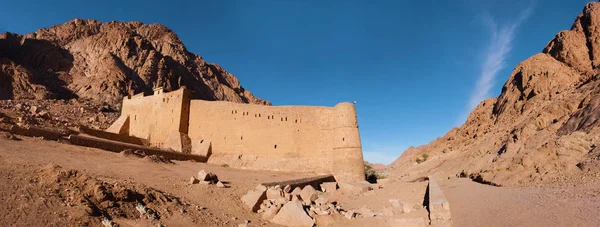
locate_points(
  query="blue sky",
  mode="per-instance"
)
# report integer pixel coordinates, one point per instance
(415, 68)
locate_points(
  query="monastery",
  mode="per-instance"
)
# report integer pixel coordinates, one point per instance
(315, 139)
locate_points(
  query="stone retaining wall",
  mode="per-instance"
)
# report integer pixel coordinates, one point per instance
(120, 146)
(35, 132)
(113, 136)
(439, 208)
(313, 181)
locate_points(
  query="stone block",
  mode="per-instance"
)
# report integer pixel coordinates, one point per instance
(329, 186)
(274, 193)
(120, 126)
(270, 212)
(354, 188)
(194, 180)
(255, 197)
(293, 214)
(296, 191)
(309, 194)
(287, 189)
(202, 147)
(207, 176)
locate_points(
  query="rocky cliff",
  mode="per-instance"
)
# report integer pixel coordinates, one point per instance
(543, 128)
(105, 61)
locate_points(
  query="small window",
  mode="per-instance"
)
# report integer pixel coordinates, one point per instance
(258, 115)
(241, 138)
(282, 119)
(268, 117)
(201, 141)
(285, 118)
(275, 146)
(296, 121)
(343, 139)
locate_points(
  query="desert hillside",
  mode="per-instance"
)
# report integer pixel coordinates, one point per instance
(105, 61)
(543, 128)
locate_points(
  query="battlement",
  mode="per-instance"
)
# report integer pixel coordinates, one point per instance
(319, 139)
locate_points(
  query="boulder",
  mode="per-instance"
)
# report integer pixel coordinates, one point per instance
(280, 202)
(287, 189)
(255, 197)
(329, 186)
(321, 200)
(349, 214)
(274, 193)
(355, 188)
(293, 214)
(221, 185)
(270, 212)
(309, 194)
(33, 110)
(207, 176)
(296, 191)
(194, 180)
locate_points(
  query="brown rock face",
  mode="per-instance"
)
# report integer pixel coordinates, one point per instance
(105, 61)
(541, 129)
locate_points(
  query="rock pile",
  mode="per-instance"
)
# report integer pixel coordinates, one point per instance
(300, 206)
(207, 178)
(56, 114)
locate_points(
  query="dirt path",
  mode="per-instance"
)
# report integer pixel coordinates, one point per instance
(474, 204)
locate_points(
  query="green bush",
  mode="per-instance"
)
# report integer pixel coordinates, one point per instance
(225, 165)
(422, 159)
(371, 175)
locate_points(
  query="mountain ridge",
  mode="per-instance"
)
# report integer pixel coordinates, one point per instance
(106, 61)
(542, 126)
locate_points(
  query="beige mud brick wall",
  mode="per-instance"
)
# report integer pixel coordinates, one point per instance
(160, 118)
(322, 140)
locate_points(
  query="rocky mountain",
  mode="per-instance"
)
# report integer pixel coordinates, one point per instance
(543, 128)
(105, 61)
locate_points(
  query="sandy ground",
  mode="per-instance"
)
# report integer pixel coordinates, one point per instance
(30, 158)
(474, 204)
(34, 191)
(223, 203)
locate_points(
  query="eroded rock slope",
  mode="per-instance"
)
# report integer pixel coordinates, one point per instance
(543, 128)
(105, 61)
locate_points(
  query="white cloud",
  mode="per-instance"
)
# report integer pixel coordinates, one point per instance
(494, 56)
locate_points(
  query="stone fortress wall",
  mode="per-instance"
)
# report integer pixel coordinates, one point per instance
(321, 140)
